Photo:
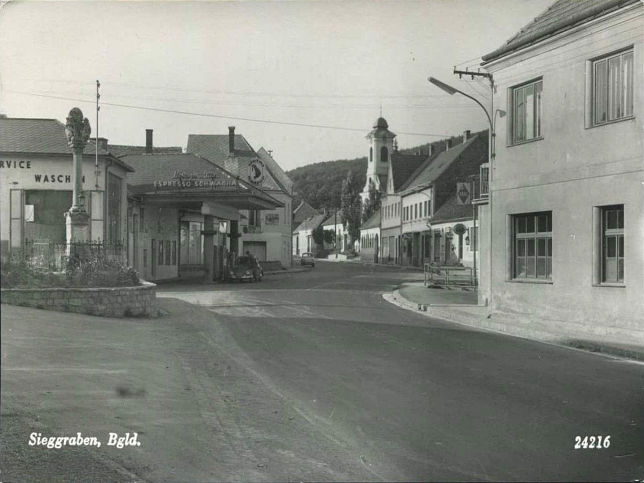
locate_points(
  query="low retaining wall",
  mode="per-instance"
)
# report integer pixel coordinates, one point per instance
(139, 301)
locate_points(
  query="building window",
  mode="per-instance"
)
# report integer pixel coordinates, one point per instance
(161, 259)
(174, 252)
(145, 258)
(533, 246)
(612, 87)
(168, 254)
(114, 197)
(370, 154)
(191, 243)
(416, 211)
(612, 239)
(384, 154)
(526, 112)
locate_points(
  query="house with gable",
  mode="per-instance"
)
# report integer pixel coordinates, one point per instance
(303, 241)
(431, 187)
(302, 212)
(267, 234)
(563, 221)
(401, 169)
(333, 223)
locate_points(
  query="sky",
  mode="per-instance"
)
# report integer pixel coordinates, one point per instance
(316, 74)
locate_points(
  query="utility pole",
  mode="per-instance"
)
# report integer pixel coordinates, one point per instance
(491, 154)
(98, 108)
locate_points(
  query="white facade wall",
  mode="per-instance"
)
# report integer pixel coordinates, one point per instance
(22, 172)
(420, 206)
(573, 169)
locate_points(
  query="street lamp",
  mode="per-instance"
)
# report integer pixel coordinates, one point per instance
(491, 146)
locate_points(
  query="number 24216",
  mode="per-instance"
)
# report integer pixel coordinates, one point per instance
(592, 442)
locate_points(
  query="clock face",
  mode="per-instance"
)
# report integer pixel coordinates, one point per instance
(256, 171)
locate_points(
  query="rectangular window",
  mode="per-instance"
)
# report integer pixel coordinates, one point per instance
(161, 259)
(532, 246)
(191, 243)
(526, 112)
(174, 253)
(426, 208)
(415, 211)
(145, 258)
(168, 255)
(612, 240)
(114, 197)
(473, 236)
(612, 96)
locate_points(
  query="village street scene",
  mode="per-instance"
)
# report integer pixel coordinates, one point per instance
(322, 241)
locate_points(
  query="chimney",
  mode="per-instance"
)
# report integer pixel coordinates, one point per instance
(102, 143)
(148, 141)
(466, 135)
(231, 139)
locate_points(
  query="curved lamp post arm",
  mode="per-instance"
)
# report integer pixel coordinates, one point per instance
(452, 90)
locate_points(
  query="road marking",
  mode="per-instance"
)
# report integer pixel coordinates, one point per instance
(85, 370)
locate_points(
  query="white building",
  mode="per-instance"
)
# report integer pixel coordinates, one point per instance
(303, 241)
(564, 225)
(36, 186)
(334, 224)
(264, 233)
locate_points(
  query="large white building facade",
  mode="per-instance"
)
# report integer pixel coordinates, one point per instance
(563, 233)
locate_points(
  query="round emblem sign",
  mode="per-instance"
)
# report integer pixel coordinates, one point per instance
(256, 171)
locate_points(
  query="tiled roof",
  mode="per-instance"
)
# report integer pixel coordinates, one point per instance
(332, 219)
(123, 149)
(310, 223)
(276, 171)
(302, 212)
(561, 15)
(372, 222)
(403, 166)
(151, 167)
(433, 167)
(452, 211)
(215, 146)
(46, 136)
(42, 136)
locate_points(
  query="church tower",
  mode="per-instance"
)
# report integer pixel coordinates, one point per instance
(382, 145)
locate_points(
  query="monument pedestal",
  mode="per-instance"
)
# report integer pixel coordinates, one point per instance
(77, 229)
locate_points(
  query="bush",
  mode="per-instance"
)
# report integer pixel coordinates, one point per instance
(97, 270)
(92, 269)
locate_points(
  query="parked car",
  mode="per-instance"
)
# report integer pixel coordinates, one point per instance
(307, 259)
(246, 270)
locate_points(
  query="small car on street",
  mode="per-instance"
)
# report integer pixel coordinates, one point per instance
(307, 259)
(246, 270)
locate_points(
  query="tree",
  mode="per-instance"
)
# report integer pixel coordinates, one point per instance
(318, 235)
(351, 205)
(329, 236)
(372, 204)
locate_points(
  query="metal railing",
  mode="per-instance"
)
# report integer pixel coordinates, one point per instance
(447, 275)
(46, 254)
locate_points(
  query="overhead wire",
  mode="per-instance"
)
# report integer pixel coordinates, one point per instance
(217, 116)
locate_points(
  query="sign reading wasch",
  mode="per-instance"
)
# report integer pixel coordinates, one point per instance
(195, 181)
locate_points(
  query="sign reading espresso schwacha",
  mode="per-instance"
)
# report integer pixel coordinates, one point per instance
(205, 180)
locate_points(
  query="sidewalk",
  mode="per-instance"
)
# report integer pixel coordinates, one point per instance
(460, 306)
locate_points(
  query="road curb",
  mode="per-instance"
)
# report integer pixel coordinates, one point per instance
(493, 323)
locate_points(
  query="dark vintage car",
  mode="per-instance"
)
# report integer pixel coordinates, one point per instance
(307, 259)
(245, 270)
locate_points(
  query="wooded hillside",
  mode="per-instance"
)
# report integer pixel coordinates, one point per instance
(320, 184)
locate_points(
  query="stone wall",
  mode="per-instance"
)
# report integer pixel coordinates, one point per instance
(139, 301)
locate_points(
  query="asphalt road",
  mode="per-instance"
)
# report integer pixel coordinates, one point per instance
(309, 377)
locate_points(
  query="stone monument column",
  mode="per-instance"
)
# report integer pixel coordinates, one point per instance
(77, 130)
